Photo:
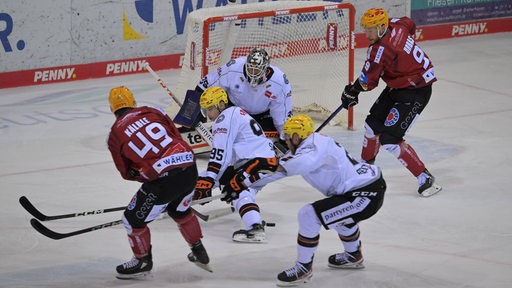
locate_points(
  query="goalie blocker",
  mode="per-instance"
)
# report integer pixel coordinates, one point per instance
(190, 114)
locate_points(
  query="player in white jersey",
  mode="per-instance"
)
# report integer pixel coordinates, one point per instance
(240, 151)
(354, 192)
(255, 86)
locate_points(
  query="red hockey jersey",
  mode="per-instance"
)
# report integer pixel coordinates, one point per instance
(397, 59)
(146, 140)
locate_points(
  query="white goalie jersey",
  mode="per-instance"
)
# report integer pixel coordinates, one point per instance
(274, 95)
(237, 137)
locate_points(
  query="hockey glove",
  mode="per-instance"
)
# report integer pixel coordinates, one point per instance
(234, 187)
(349, 97)
(280, 147)
(204, 186)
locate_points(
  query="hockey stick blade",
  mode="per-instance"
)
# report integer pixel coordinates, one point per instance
(214, 213)
(40, 216)
(57, 236)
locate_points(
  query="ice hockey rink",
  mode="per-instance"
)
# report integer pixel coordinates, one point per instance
(54, 153)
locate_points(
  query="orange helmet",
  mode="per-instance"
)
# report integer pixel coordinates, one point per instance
(374, 17)
(121, 97)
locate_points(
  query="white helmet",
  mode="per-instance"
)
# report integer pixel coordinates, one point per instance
(256, 66)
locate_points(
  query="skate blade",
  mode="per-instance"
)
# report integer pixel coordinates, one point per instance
(243, 239)
(294, 283)
(351, 266)
(246, 240)
(136, 276)
(203, 266)
(431, 191)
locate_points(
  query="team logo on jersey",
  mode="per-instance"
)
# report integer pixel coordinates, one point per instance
(363, 79)
(220, 118)
(392, 117)
(132, 203)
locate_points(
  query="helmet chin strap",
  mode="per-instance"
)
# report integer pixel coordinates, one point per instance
(383, 33)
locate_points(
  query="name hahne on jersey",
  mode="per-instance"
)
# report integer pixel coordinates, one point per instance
(132, 128)
(56, 74)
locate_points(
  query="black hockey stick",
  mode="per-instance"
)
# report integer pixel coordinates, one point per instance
(330, 118)
(214, 213)
(42, 217)
(56, 236)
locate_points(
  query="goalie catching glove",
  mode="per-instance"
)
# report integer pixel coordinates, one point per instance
(349, 97)
(204, 186)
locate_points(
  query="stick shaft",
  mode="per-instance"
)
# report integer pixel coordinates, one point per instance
(42, 217)
(330, 118)
(203, 131)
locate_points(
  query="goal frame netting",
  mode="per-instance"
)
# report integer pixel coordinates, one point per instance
(201, 58)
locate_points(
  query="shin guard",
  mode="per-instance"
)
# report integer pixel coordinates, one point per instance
(189, 227)
(407, 156)
(140, 241)
(371, 145)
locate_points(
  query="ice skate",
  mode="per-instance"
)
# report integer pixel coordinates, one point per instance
(347, 260)
(255, 235)
(199, 256)
(428, 187)
(299, 274)
(135, 268)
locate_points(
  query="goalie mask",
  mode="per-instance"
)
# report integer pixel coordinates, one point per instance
(121, 97)
(256, 66)
(300, 124)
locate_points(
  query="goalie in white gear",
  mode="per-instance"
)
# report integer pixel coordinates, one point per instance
(240, 151)
(255, 86)
(354, 192)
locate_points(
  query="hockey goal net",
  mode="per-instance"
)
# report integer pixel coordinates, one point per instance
(311, 41)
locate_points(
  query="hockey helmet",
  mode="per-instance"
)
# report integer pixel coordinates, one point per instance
(300, 124)
(212, 96)
(374, 17)
(121, 97)
(256, 66)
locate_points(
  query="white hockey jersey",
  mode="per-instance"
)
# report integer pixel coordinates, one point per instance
(325, 165)
(237, 137)
(274, 95)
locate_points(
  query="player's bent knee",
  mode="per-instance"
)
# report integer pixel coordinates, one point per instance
(309, 224)
(176, 214)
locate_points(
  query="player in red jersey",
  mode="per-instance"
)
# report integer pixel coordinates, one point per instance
(394, 57)
(147, 147)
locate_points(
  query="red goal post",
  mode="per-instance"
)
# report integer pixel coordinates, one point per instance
(311, 41)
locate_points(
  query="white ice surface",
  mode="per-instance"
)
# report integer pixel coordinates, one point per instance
(53, 151)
